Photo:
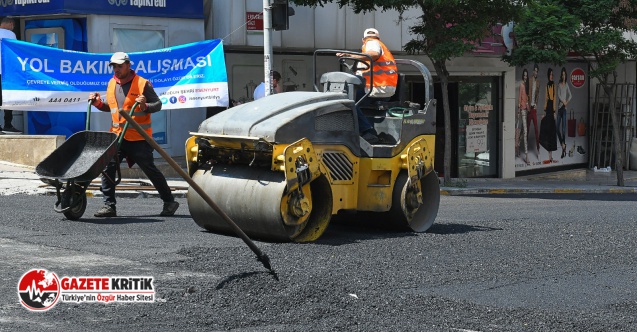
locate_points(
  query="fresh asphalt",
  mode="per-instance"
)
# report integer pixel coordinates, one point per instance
(533, 255)
(488, 264)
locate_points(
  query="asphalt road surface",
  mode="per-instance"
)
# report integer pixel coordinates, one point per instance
(548, 263)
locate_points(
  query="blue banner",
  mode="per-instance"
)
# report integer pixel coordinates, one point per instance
(154, 8)
(42, 78)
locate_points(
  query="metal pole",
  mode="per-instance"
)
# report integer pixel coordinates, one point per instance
(262, 257)
(267, 46)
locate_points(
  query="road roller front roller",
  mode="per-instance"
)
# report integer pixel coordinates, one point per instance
(280, 167)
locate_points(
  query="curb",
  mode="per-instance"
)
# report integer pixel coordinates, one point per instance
(487, 191)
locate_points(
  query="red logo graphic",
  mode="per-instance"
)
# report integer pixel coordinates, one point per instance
(39, 290)
(578, 77)
(182, 99)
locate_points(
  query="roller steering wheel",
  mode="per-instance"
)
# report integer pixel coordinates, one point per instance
(355, 64)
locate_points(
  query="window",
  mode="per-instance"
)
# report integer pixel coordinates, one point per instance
(137, 40)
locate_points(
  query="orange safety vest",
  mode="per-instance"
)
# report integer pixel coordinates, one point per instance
(385, 70)
(142, 118)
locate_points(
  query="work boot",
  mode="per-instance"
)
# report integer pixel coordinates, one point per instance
(11, 130)
(169, 209)
(106, 211)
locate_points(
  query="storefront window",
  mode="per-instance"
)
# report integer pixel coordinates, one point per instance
(477, 127)
(137, 40)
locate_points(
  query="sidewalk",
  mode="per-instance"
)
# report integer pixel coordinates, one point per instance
(20, 179)
(576, 181)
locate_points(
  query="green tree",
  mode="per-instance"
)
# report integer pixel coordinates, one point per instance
(444, 30)
(593, 30)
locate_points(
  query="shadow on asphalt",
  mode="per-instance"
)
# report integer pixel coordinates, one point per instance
(239, 276)
(446, 229)
(567, 196)
(341, 232)
(346, 232)
(120, 220)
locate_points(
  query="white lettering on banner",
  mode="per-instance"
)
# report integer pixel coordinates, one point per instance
(88, 67)
(148, 3)
(166, 65)
(30, 2)
(35, 64)
(102, 67)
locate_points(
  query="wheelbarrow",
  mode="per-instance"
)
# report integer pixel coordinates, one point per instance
(72, 166)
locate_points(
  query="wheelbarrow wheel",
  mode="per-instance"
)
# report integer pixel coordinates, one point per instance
(75, 200)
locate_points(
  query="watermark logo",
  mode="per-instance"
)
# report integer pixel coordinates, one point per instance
(39, 290)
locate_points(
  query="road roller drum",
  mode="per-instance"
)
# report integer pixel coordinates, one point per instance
(253, 199)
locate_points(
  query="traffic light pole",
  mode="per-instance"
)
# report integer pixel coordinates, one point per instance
(267, 46)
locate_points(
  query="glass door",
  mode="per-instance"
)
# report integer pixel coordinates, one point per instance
(477, 127)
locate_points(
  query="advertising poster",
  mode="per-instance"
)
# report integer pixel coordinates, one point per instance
(551, 116)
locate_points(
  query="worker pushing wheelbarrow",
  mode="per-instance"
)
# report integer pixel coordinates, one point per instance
(81, 159)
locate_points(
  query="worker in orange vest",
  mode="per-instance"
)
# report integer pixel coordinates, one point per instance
(124, 90)
(385, 79)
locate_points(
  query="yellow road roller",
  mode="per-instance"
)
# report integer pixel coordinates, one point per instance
(282, 166)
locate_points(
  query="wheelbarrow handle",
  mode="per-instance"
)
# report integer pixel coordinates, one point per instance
(88, 114)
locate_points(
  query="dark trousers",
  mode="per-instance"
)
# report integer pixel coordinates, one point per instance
(561, 125)
(363, 123)
(8, 118)
(141, 153)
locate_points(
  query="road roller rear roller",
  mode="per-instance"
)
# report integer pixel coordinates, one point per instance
(282, 166)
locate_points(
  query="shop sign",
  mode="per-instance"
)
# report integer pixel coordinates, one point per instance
(254, 21)
(476, 138)
(578, 78)
(476, 130)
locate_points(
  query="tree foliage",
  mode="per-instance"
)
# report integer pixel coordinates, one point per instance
(545, 33)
